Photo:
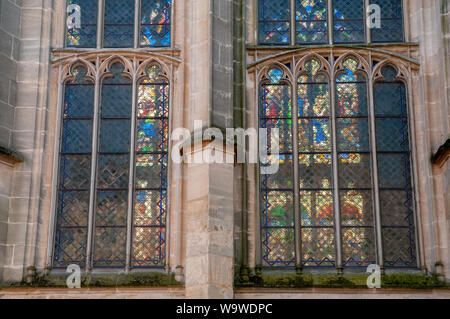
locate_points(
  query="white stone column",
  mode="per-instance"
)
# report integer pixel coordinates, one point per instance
(209, 226)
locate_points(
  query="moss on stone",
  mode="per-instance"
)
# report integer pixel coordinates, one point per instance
(147, 279)
(292, 280)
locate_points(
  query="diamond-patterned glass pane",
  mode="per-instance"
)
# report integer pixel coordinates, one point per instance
(149, 245)
(315, 171)
(399, 247)
(86, 35)
(314, 135)
(115, 136)
(74, 208)
(396, 208)
(277, 208)
(282, 179)
(74, 173)
(394, 171)
(352, 135)
(318, 249)
(116, 99)
(311, 21)
(150, 208)
(110, 229)
(316, 208)
(151, 171)
(274, 22)
(78, 100)
(392, 135)
(113, 171)
(153, 100)
(109, 247)
(77, 136)
(155, 23)
(278, 246)
(70, 247)
(119, 24)
(152, 135)
(284, 134)
(356, 208)
(354, 171)
(391, 22)
(275, 101)
(358, 246)
(348, 21)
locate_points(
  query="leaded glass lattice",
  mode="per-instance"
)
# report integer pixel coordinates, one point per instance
(118, 29)
(354, 167)
(391, 22)
(274, 22)
(74, 172)
(394, 165)
(113, 170)
(84, 36)
(315, 167)
(276, 191)
(150, 207)
(348, 21)
(155, 23)
(311, 21)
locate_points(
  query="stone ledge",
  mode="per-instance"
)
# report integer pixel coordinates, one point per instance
(9, 157)
(93, 293)
(341, 293)
(442, 155)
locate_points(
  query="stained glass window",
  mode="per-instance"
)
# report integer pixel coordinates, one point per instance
(334, 222)
(155, 23)
(117, 26)
(276, 202)
(274, 21)
(129, 205)
(84, 35)
(391, 22)
(315, 167)
(149, 219)
(348, 21)
(312, 18)
(118, 30)
(311, 21)
(394, 166)
(354, 167)
(74, 171)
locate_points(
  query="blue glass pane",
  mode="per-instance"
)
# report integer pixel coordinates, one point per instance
(274, 22)
(311, 21)
(119, 24)
(115, 136)
(77, 136)
(394, 172)
(116, 101)
(86, 35)
(155, 23)
(348, 21)
(391, 22)
(74, 172)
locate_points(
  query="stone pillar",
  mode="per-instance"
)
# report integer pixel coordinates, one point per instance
(209, 227)
(208, 187)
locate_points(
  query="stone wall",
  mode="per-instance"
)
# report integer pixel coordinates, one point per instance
(26, 24)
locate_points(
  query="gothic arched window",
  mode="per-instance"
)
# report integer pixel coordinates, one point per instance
(118, 218)
(123, 23)
(300, 22)
(343, 195)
